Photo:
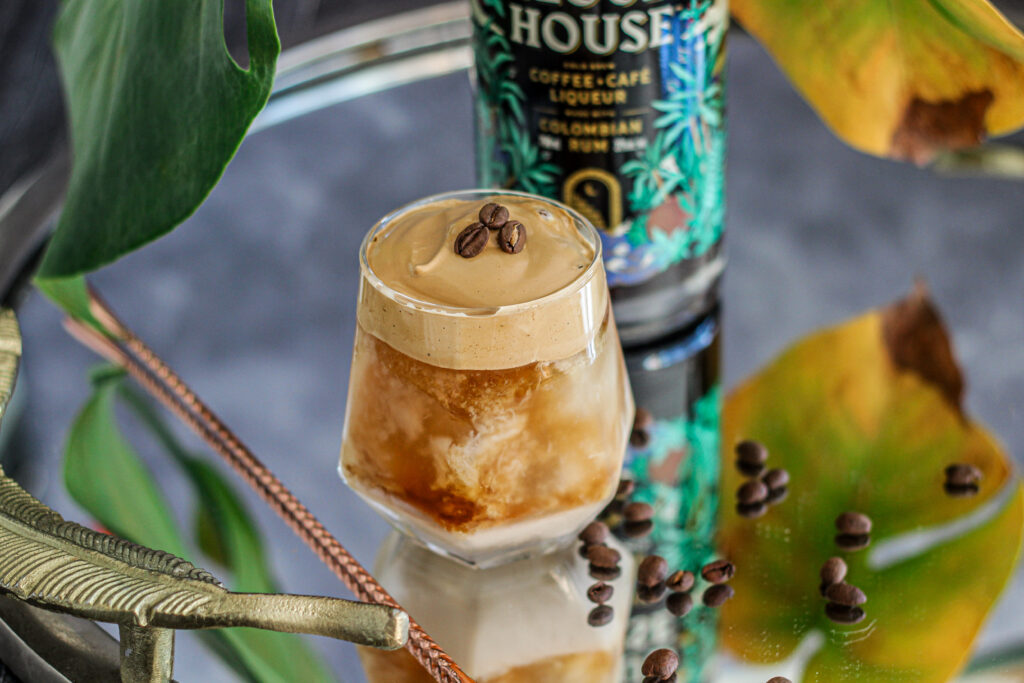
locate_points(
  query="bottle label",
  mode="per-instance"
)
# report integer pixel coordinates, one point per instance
(615, 107)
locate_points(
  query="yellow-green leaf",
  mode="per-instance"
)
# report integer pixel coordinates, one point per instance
(904, 78)
(866, 416)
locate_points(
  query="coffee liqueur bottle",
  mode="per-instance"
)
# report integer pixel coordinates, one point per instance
(615, 107)
(673, 460)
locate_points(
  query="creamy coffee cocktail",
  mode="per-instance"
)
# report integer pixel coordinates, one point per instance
(488, 405)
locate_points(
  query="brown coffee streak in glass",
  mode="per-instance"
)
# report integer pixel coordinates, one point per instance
(408, 421)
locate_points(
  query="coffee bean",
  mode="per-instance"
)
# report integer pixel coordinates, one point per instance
(643, 419)
(779, 679)
(600, 592)
(600, 615)
(716, 596)
(594, 533)
(842, 614)
(625, 489)
(652, 571)
(661, 663)
(718, 571)
(960, 491)
(493, 216)
(637, 529)
(776, 478)
(605, 573)
(681, 581)
(679, 604)
(833, 571)
(650, 594)
(604, 557)
(638, 512)
(639, 438)
(851, 542)
(751, 453)
(585, 549)
(853, 523)
(751, 511)
(512, 237)
(472, 240)
(612, 509)
(776, 496)
(752, 492)
(749, 470)
(962, 474)
(845, 594)
(658, 679)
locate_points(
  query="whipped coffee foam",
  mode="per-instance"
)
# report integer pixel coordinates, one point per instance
(492, 311)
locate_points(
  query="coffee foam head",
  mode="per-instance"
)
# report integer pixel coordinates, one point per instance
(495, 310)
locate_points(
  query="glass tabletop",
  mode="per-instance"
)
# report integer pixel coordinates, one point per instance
(253, 299)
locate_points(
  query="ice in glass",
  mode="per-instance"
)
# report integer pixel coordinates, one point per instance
(488, 405)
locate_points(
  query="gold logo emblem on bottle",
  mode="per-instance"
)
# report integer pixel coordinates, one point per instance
(597, 195)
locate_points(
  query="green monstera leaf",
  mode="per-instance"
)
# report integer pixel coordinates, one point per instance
(865, 417)
(157, 108)
(905, 79)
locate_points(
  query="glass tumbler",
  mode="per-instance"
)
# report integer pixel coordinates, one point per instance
(490, 432)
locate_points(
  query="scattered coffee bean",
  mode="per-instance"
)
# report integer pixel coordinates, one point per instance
(611, 510)
(639, 438)
(749, 470)
(600, 615)
(604, 557)
(842, 614)
(853, 523)
(962, 474)
(716, 596)
(776, 496)
(512, 237)
(752, 492)
(779, 679)
(751, 511)
(751, 453)
(679, 604)
(605, 573)
(833, 571)
(600, 592)
(661, 663)
(718, 571)
(851, 542)
(594, 533)
(650, 594)
(625, 489)
(643, 419)
(493, 216)
(845, 594)
(638, 512)
(681, 581)
(472, 240)
(637, 529)
(954, 491)
(652, 571)
(776, 478)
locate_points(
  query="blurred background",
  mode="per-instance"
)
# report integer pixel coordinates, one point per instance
(253, 299)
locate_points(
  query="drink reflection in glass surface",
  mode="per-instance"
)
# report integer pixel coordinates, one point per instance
(488, 406)
(522, 622)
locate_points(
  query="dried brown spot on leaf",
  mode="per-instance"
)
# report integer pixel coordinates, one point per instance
(931, 127)
(916, 339)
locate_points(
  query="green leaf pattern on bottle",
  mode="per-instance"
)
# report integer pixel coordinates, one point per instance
(685, 514)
